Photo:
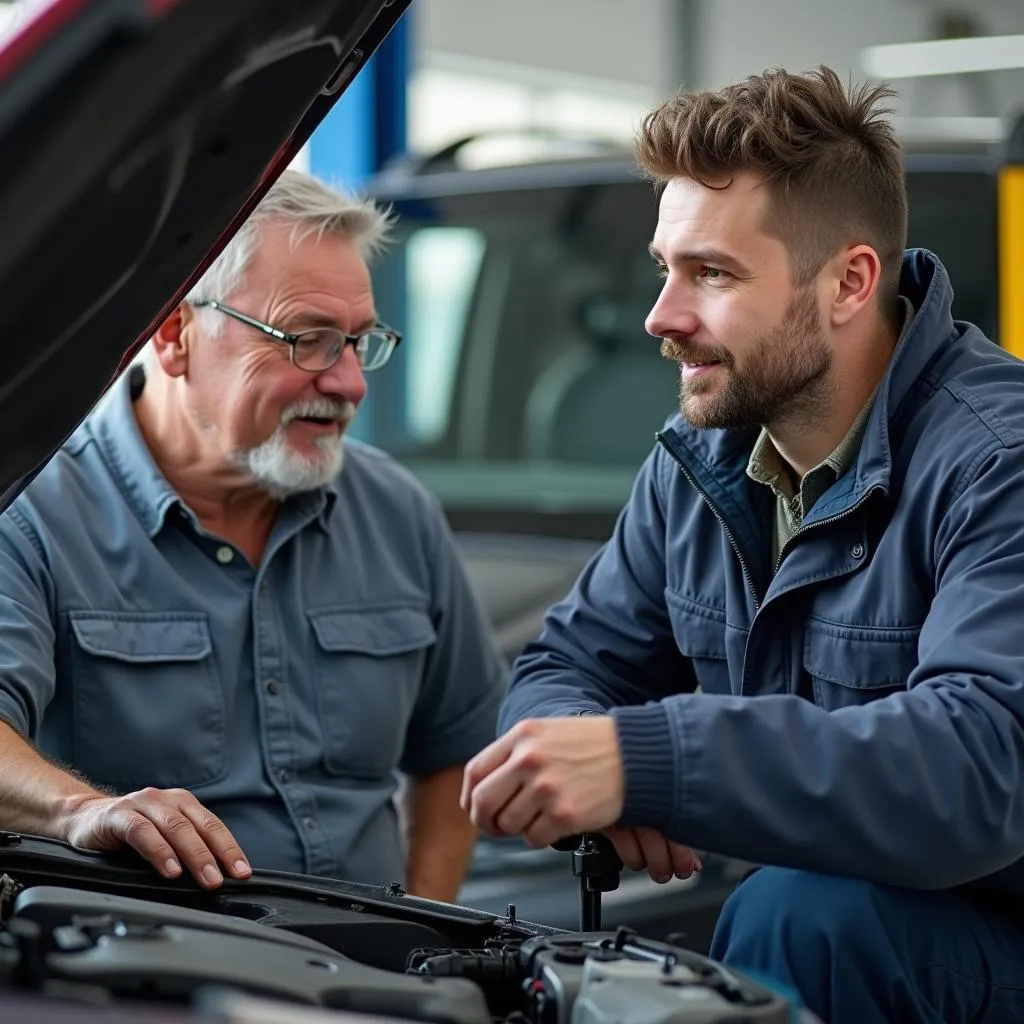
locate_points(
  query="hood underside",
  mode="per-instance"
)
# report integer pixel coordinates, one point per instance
(137, 136)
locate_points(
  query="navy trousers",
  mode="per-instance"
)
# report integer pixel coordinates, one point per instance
(859, 953)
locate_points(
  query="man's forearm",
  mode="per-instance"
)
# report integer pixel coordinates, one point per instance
(439, 835)
(35, 795)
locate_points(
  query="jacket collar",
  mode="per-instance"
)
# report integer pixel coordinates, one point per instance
(925, 283)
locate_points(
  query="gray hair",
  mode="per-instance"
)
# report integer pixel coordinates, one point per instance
(311, 207)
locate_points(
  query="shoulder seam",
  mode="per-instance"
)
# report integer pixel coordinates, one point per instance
(988, 418)
(20, 520)
(970, 472)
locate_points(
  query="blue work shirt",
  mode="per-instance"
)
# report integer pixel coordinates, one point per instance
(141, 650)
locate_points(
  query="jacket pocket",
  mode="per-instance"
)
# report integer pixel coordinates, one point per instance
(853, 665)
(700, 635)
(369, 663)
(148, 704)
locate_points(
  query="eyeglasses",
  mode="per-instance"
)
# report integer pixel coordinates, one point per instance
(320, 347)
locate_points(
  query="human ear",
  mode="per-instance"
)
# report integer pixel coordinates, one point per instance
(857, 273)
(170, 342)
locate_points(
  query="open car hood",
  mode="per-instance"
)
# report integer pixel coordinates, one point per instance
(137, 135)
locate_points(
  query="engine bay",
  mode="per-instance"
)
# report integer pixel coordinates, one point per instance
(85, 929)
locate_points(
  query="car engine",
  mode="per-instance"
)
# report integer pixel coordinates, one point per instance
(83, 930)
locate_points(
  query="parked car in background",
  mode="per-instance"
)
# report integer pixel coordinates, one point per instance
(527, 393)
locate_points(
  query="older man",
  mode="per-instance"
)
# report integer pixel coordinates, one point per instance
(228, 630)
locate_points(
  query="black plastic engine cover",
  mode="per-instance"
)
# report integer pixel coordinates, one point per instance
(132, 950)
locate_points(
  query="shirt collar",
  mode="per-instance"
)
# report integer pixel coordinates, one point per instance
(117, 433)
(765, 466)
(145, 488)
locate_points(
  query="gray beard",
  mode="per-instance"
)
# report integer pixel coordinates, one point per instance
(280, 470)
(283, 472)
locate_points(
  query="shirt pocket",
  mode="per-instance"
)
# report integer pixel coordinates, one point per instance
(148, 704)
(700, 636)
(369, 664)
(849, 666)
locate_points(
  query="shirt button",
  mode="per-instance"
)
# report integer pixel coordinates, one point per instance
(283, 775)
(310, 823)
(857, 550)
(273, 687)
(225, 555)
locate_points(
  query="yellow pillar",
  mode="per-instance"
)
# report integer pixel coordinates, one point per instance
(1011, 246)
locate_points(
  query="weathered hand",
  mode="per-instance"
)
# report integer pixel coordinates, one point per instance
(547, 778)
(640, 848)
(169, 827)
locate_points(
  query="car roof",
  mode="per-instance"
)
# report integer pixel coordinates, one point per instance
(442, 174)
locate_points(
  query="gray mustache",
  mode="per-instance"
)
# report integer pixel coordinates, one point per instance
(325, 408)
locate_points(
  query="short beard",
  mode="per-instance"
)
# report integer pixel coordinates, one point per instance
(787, 377)
(283, 472)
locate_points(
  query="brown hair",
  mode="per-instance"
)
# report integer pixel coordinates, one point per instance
(831, 162)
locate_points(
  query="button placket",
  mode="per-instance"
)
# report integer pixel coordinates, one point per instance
(277, 739)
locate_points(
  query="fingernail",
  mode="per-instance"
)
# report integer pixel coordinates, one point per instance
(172, 867)
(241, 868)
(211, 875)
(698, 864)
(662, 879)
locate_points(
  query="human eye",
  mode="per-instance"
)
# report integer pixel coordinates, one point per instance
(308, 342)
(661, 269)
(709, 273)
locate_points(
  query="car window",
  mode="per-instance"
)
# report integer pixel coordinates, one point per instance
(526, 380)
(953, 212)
(526, 376)
(442, 265)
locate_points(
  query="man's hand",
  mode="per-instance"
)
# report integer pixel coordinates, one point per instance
(640, 848)
(169, 827)
(547, 778)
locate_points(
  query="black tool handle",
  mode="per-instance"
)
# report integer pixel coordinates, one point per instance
(596, 864)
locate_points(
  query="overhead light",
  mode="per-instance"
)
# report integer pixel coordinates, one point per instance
(944, 57)
(950, 129)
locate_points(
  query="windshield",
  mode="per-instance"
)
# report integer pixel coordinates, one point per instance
(526, 381)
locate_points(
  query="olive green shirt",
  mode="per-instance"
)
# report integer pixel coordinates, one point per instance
(767, 466)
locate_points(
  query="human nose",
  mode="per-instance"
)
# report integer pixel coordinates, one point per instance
(343, 378)
(672, 313)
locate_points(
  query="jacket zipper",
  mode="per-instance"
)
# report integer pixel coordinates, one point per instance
(747, 575)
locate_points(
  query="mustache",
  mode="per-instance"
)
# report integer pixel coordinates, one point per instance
(322, 408)
(680, 352)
